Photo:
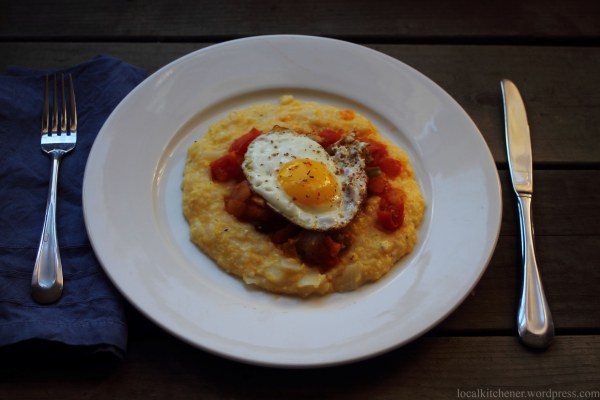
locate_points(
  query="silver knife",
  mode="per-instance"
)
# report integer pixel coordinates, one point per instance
(534, 320)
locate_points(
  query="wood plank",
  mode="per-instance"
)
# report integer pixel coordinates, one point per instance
(563, 108)
(565, 215)
(429, 368)
(561, 98)
(565, 202)
(149, 56)
(568, 266)
(416, 20)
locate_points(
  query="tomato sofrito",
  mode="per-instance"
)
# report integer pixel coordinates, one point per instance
(229, 167)
(390, 167)
(377, 185)
(390, 215)
(327, 137)
(322, 249)
(377, 152)
(226, 168)
(240, 145)
(391, 209)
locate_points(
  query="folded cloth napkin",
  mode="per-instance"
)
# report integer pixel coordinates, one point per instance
(90, 313)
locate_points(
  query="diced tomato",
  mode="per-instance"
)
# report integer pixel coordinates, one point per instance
(391, 204)
(241, 191)
(255, 213)
(235, 207)
(226, 168)
(240, 145)
(393, 196)
(318, 248)
(329, 137)
(391, 209)
(333, 247)
(390, 166)
(282, 235)
(235, 202)
(377, 151)
(377, 185)
(391, 218)
(249, 207)
(229, 167)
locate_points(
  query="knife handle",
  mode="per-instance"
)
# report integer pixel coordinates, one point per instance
(534, 320)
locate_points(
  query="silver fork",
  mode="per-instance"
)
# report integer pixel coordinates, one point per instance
(47, 281)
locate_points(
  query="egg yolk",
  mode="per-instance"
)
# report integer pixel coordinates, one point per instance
(308, 182)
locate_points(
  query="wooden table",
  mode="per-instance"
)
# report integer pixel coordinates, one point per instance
(549, 48)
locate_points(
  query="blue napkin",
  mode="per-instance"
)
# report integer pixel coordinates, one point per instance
(90, 314)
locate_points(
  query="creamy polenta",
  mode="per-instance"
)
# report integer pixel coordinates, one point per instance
(240, 249)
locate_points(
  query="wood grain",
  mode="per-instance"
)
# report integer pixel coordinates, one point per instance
(563, 109)
(568, 268)
(565, 203)
(560, 95)
(429, 368)
(411, 20)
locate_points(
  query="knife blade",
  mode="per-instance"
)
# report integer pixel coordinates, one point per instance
(534, 320)
(518, 142)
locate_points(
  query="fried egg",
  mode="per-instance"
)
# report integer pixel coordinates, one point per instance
(300, 180)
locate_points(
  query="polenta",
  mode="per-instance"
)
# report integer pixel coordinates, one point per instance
(279, 257)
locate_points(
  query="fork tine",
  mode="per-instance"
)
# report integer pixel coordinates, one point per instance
(63, 113)
(73, 106)
(45, 111)
(55, 111)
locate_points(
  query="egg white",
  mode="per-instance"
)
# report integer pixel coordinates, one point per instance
(270, 151)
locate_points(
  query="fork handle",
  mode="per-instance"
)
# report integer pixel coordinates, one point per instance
(47, 281)
(534, 320)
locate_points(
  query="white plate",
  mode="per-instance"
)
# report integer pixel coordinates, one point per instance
(131, 198)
